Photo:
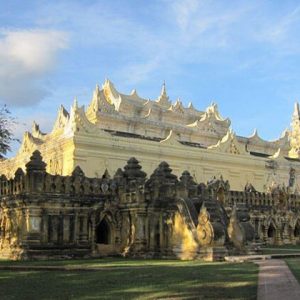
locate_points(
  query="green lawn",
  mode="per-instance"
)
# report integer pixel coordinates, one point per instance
(280, 249)
(132, 279)
(294, 265)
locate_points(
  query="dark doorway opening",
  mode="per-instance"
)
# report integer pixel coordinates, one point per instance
(271, 231)
(297, 230)
(103, 234)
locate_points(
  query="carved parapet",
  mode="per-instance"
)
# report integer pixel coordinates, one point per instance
(13, 186)
(219, 189)
(280, 196)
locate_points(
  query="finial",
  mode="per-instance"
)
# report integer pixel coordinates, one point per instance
(164, 90)
(35, 126)
(133, 92)
(75, 104)
(255, 133)
(163, 99)
(296, 113)
(190, 105)
(178, 101)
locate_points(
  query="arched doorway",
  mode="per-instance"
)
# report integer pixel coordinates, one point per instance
(103, 233)
(297, 232)
(271, 233)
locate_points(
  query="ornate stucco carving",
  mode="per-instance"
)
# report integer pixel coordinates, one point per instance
(99, 103)
(61, 120)
(257, 144)
(159, 216)
(229, 144)
(163, 98)
(36, 132)
(171, 139)
(29, 143)
(116, 124)
(78, 122)
(205, 230)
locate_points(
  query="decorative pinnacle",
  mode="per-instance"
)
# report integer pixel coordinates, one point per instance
(35, 126)
(296, 114)
(164, 90)
(75, 103)
(163, 98)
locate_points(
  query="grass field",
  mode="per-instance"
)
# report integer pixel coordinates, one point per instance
(131, 279)
(281, 249)
(294, 265)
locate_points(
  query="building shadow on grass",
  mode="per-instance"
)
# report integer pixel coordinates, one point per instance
(207, 281)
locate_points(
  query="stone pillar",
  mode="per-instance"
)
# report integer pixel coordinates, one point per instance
(76, 226)
(152, 224)
(278, 238)
(161, 233)
(72, 228)
(285, 234)
(83, 224)
(34, 220)
(54, 228)
(147, 232)
(45, 225)
(66, 229)
(92, 237)
(85, 228)
(60, 229)
(265, 235)
(140, 238)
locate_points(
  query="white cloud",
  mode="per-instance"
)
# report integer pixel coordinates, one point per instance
(139, 72)
(26, 56)
(174, 33)
(282, 32)
(184, 11)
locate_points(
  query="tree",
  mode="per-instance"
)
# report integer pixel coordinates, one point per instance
(6, 133)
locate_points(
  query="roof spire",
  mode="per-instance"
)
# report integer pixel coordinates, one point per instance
(75, 104)
(163, 90)
(163, 99)
(296, 113)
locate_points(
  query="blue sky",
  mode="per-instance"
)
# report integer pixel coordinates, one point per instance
(244, 55)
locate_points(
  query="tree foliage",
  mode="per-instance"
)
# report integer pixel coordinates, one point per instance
(6, 133)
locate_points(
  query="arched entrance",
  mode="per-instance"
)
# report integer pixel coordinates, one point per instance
(297, 232)
(271, 233)
(103, 233)
(104, 238)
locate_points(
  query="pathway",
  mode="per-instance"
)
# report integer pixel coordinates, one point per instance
(276, 281)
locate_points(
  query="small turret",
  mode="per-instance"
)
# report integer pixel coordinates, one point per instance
(36, 170)
(163, 99)
(133, 170)
(36, 162)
